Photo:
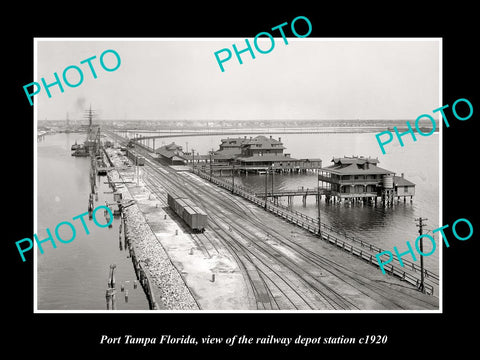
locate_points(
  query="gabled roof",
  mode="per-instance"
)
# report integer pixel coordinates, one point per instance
(173, 146)
(233, 141)
(400, 181)
(354, 169)
(356, 166)
(166, 153)
(354, 160)
(170, 147)
(264, 142)
(177, 158)
(169, 150)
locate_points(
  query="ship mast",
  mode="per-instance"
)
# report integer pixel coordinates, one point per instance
(92, 136)
(89, 114)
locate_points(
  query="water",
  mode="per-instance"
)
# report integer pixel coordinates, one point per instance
(419, 161)
(74, 276)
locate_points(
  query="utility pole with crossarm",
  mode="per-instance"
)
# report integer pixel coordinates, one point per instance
(420, 226)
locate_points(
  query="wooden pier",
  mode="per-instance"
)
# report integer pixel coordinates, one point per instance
(358, 248)
(290, 194)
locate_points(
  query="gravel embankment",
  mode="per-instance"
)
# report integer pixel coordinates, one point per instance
(175, 295)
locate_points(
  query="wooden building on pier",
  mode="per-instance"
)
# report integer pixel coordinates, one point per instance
(172, 154)
(359, 178)
(403, 187)
(277, 163)
(260, 154)
(241, 154)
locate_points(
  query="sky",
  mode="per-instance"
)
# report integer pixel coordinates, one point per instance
(179, 79)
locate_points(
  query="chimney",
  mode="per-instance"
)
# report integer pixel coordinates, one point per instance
(279, 139)
(402, 175)
(270, 136)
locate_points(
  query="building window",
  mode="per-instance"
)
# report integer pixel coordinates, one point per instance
(405, 189)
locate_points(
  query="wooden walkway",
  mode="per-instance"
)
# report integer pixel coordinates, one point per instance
(299, 192)
(410, 272)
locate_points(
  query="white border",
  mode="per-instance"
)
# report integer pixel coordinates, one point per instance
(35, 184)
(440, 174)
(440, 134)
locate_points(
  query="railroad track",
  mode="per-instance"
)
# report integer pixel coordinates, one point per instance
(256, 278)
(330, 234)
(261, 294)
(276, 281)
(319, 292)
(296, 288)
(204, 242)
(381, 294)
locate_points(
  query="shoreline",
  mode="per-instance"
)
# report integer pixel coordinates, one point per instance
(168, 289)
(182, 275)
(193, 275)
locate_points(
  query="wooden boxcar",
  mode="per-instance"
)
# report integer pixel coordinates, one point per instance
(136, 159)
(186, 209)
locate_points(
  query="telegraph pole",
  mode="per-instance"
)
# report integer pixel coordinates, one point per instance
(266, 187)
(193, 160)
(211, 152)
(318, 204)
(420, 226)
(233, 178)
(273, 170)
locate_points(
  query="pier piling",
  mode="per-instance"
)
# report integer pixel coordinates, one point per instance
(110, 292)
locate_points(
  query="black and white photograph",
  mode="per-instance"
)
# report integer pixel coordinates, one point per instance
(253, 188)
(293, 181)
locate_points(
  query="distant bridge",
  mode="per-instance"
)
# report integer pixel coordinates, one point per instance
(238, 132)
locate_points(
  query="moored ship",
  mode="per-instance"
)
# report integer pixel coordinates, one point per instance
(80, 151)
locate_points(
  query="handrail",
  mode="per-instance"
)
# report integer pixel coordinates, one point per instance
(362, 243)
(288, 193)
(311, 225)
